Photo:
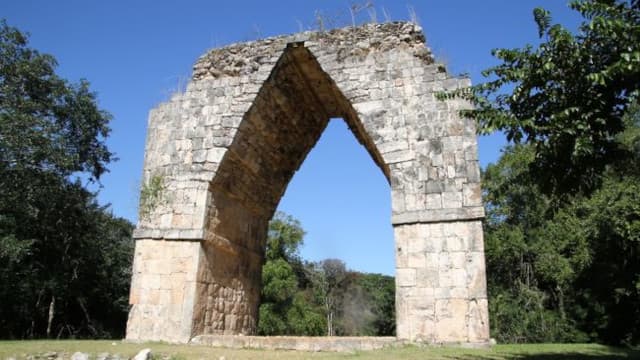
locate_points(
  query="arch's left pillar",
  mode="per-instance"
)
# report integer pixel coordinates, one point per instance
(163, 290)
(176, 254)
(168, 254)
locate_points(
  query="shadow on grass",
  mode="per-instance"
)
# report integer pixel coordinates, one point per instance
(612, 354)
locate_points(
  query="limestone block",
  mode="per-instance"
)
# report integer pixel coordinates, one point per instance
(452, 200)
(405, 277)
(398, 156)
(428, 277)
(402, 250)
(456, 243)
(472, 194)
(476, 282)
(458, 259)
(417, 244)
(478, 328)
(475, 238)
(416, 260)
(411, 202)
(451, 324)
(397, 202)
(433, 201)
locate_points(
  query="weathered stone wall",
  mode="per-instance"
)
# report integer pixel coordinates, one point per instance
(440, 282)
(163, 290)
(228, 291)
(227, 148)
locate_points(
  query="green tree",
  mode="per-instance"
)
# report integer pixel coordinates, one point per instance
(381, 291)
(46, 124)
(68, 260)
(285, 236)
(566, 273)
(608, 292)
(567, 96)
(304, 316)
(560, 249)
(609, 221)
(319, 298)
(64, 260)
(328, 279)
(286, 307)
(529, 268)
(279, 281)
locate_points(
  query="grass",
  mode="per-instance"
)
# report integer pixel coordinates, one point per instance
(20, 350)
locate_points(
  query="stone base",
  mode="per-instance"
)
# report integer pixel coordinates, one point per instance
(304, 343)
(440, 283)
(300, 343)
(163, 289)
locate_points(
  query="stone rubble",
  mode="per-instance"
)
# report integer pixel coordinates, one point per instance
(55, 355)
(144, 354)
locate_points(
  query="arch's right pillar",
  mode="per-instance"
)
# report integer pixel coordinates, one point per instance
(430, 155)
(440, 283)
(437, 212)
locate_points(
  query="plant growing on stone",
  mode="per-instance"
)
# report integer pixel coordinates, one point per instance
(152, 195)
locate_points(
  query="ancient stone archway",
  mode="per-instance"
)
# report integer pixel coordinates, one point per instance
(224, 151)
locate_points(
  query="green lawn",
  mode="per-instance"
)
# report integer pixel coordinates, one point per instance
(20, 349)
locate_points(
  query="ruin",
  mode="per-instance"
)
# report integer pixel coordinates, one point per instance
(219, 156)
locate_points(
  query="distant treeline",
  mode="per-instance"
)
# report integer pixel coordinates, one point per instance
(322, 298)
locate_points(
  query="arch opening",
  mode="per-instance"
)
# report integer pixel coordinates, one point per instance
(342, 201)
(338, 194)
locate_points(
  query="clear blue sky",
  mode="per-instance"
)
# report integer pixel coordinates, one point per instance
(135, 53)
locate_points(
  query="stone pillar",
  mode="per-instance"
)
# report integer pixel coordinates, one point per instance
(440, 283)
(163, 290)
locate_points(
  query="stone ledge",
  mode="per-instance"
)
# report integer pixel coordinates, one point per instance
(169, 234)
(438, 215)
(321, 343)
(300, 343)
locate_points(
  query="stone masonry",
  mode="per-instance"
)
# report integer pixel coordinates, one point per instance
(226, 149)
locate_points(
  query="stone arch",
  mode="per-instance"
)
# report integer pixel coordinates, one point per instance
(228, 147)
(286, 119)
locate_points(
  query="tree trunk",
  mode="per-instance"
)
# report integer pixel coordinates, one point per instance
(32, 331)
(86, 316)
(328, 323)
(52, 309)
(561, 302)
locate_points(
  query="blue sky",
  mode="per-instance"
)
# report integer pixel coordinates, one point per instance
(136, 53)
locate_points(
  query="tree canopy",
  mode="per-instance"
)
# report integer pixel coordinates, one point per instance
(46, 123)
(562, 202)
(567, 96)
(64, 259)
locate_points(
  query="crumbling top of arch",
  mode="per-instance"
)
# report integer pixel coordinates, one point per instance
(247, 57)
